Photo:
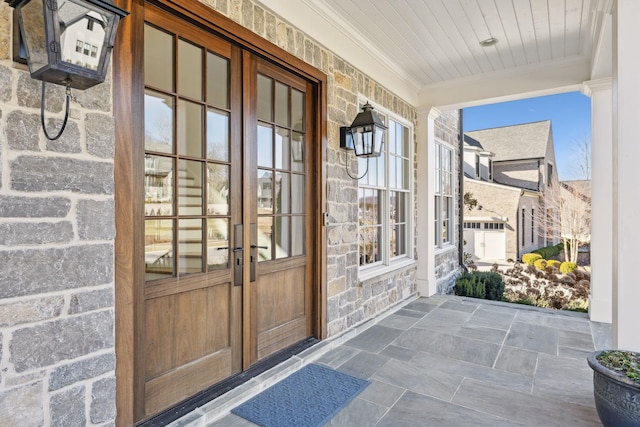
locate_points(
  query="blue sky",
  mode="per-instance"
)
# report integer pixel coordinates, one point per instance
(570, 115)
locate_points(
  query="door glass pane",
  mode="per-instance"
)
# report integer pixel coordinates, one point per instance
(265, 98)
(217, 189)
(265, 233)
(282, 104)
(217, 243)
(297, 110)
(297, 235)
(217, 135)
(189, 187)
(158, 185)
(189, 70)
(158, 122)
(158, 58)
(283, 191)
(189, 246)
(158, 249)
(265, 146)
(297, 152)
(265, 192)
(283, 233)
(189, 129)
(283, 155)
(297, 193)
(217, 81)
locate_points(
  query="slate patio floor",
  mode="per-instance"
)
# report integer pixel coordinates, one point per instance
(453, 361)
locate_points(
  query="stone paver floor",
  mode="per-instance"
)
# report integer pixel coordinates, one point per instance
(453, 361)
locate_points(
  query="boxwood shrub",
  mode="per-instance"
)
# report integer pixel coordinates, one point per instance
(548, 251)
(480, 284)
(568, 267)
(540, 264)
(531, 258)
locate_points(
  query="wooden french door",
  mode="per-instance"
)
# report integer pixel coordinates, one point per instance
(227, 212)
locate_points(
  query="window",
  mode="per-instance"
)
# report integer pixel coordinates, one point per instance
(490, 170)
(549, 174)
(533, 211)
(494, 226)
(477, 166)
(472, 225)
(444, 195)
(384, 196)
(94, 51)
(87, 48)
(522, 227)
(90, 23)
(79, 45)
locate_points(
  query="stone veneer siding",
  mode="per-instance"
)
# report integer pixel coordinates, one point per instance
(447, 264)
(57, 229)
(350, 301)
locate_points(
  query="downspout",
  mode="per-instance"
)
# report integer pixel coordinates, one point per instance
(461, 194)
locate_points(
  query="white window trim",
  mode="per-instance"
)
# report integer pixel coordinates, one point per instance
(449, 245)
(388, 264)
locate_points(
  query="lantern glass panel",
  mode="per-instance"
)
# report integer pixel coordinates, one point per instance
(79, 22)
(34, 34)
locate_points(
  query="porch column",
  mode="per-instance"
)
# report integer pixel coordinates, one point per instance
(425, 248)
(626, 161)
(602, 200)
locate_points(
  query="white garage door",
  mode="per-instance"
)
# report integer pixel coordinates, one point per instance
(494, 244)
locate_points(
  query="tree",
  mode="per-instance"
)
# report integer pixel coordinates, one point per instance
(567, 213)
(581, 157)
(469, 201)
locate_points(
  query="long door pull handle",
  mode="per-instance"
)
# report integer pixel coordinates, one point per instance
(238, 249)
(259, 247)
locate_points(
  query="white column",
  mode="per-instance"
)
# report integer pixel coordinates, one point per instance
(626, 168)
(425, 134)
(600, 303)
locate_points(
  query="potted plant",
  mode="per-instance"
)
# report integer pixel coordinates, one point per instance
(616, 387)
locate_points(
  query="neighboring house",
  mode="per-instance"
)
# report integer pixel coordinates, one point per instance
(508, 169)
(577, 197)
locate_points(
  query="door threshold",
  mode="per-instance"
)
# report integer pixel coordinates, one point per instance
(184, 408)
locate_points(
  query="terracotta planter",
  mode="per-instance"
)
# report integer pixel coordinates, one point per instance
(617, 397)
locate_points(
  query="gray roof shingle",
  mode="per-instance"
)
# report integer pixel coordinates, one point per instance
(526, 141)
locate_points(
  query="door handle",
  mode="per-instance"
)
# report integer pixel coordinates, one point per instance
(253, 257)
(237, 252)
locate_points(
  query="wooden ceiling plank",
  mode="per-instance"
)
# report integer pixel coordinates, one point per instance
(481, 32)
(494, 23)
(510, 23)
(540, 14)
(573, 16)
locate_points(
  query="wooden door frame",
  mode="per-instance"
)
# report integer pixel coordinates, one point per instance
(128, 83)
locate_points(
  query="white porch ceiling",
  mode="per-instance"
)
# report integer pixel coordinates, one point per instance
(424, 47)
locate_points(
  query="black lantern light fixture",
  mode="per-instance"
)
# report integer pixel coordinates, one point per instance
(67, 42)
(365, 136)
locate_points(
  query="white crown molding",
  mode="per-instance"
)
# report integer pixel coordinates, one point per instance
(591, 86)
(331, 30)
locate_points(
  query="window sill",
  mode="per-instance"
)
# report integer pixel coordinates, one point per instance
(444, 249)
(365, 275)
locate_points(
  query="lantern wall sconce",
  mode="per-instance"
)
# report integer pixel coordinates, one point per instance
(365, 136)
(67, 42)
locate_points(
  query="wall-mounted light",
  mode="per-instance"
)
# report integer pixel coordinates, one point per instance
(365, 136)
(67, 42)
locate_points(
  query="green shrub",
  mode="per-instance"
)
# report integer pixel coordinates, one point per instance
(481, 284)
(548, 251)
(553, 263)
(531, 258)
(540, 264)
(568, 267)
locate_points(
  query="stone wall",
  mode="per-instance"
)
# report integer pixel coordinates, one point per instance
(522, 174)
(350, 301)
(57, 234)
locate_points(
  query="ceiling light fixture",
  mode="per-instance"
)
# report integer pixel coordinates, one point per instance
(491, 41)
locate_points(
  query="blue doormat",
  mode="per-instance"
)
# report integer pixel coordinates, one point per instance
(307, 398)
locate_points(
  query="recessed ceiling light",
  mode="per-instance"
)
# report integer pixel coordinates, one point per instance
(491, 41)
